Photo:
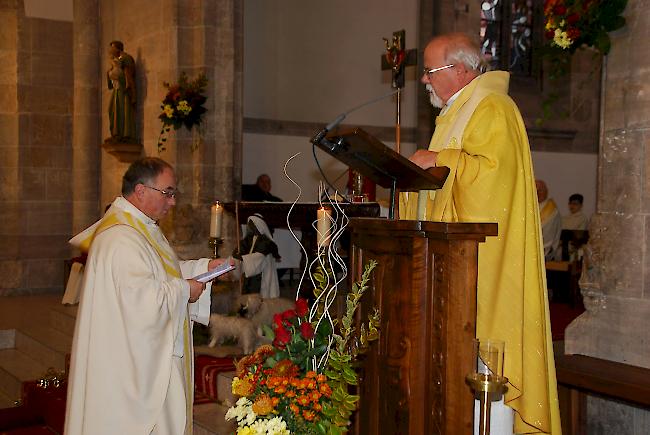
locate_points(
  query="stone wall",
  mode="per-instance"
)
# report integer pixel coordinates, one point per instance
(191, 36)
(35, 113)
(616, 288)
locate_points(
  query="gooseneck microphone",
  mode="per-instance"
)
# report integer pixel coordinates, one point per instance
(319, 138)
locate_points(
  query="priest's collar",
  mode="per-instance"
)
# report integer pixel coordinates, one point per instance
(123, 204)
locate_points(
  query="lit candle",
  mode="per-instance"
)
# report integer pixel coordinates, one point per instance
(323, 225)
(216, 214)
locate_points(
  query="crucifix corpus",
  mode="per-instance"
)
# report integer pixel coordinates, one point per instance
(396, 58)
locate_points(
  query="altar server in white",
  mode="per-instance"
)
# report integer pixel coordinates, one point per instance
(131, 366)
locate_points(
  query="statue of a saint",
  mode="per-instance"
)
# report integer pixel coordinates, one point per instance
(121, 80)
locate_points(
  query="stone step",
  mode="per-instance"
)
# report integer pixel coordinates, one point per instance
(224, 388)
(63, 318)
(45, 345)
(16, 368)
(209, 420)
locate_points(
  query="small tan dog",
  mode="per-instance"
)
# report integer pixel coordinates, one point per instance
(260, 311)
(239, 328)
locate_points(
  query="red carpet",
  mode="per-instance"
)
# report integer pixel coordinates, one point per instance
(561, 316)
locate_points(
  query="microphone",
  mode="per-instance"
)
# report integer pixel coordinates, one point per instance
(319, 138)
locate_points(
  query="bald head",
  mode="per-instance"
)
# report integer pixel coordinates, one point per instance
(452, 60)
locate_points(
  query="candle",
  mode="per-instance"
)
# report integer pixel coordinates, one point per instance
(323, 225)
(216, 214)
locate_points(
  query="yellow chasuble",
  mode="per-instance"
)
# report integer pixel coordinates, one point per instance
(483, 141)
(82, 392)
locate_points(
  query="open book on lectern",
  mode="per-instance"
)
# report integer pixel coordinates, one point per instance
(366, 154)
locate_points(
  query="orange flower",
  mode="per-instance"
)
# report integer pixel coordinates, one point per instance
(290, 394)
(317, 407)
(285, 368)
(321, 378)
(280, 390)
(311, 374)
(294, 408)
(275, 401)
(262, 405)
(326, 390)
(303, 400)
(308, 415)
(315, 395)
(311, 384)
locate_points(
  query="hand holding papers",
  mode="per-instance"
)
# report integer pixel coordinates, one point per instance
(217, 271)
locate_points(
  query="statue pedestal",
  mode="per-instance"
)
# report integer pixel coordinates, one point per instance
(126, 152)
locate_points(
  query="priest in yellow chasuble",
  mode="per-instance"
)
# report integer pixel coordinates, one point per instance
(481, 137)
(131, 364)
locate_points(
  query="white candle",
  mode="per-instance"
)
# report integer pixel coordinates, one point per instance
(323, 225)
(216, 214)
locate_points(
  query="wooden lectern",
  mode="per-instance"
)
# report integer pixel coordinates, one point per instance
(413, 379)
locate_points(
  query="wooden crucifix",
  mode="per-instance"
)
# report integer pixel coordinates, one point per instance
(396, 58)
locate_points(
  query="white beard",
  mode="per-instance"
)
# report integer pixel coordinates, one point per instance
(435, 100)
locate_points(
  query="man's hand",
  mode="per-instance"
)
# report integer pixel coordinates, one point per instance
(196, 288)
(218, 262)
(424, 158)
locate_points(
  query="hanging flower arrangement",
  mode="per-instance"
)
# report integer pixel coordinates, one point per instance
(182, 106)
(299, 384)
(569, 24)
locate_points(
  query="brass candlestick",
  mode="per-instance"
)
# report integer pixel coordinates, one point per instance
(487, 389)
(487, 380)
(214, 243)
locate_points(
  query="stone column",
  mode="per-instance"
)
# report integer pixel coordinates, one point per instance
(86, 115)
(10, 265)
(616, 285)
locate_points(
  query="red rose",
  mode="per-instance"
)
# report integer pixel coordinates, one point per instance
(572, 19)
(282, 337)
(559, 10)
(306, 330)
(550, 34)
(301, 307)
(277, 320)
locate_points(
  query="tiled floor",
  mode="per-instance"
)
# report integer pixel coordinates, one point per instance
(18, 312)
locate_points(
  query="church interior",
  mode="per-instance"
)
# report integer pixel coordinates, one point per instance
(277, 73)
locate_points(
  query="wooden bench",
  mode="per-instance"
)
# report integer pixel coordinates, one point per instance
(578, 375)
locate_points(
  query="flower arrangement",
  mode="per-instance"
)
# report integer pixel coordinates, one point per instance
(571, 23)
(182, 105)
(299, 384)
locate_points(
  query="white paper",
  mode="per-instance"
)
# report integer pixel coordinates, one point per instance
(217, 271)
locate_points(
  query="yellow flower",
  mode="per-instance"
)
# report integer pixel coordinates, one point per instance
(245, 431)
(561, 39)
(169, 111)
(242, 387)
(183, 107)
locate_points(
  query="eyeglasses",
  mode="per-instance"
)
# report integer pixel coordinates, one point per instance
(169, 194)
(429, 71)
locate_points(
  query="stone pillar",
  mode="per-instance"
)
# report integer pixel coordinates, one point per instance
(616, 285)
(86, 115)
(10, 265)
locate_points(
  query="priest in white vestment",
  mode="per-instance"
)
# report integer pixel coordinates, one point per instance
(551, 221)
(131, 365)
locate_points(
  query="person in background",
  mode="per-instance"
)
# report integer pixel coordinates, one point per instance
(260, 191)
(551, 222)
(576, 219)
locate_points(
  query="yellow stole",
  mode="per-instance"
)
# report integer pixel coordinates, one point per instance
(546, 211)
(115, 216)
